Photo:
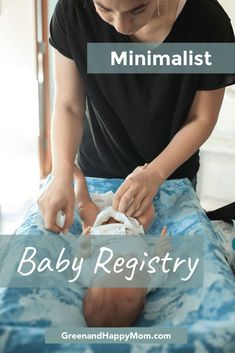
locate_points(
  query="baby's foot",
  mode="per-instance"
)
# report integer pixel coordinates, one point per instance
(84, 243)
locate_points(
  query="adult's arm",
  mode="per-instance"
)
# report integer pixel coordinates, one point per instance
(66, 134)
(138, 190)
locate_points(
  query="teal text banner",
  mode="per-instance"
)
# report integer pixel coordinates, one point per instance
(118, 335)
(174, 58)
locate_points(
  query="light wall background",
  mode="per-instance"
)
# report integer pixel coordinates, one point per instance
(19, 177)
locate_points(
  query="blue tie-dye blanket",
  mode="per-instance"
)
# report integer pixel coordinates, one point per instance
(207, 313)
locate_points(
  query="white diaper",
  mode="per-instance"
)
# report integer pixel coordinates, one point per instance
(126, 225)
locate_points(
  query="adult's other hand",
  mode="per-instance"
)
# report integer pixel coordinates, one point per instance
(59, 195)
(136, 193)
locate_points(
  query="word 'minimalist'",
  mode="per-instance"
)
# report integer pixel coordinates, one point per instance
(187, 58)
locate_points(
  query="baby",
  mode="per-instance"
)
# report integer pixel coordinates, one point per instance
(109, 307)
(89, 208)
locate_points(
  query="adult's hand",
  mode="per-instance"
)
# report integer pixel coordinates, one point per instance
(59, 195)
(136, 193)
(146, 218)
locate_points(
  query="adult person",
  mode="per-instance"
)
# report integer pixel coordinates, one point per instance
(130, 120)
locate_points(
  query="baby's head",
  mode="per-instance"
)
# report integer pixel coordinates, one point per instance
(113, 307)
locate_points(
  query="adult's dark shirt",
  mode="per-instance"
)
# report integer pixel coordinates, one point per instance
(131, 118)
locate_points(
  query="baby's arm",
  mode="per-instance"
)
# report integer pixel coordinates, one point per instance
(87, 209)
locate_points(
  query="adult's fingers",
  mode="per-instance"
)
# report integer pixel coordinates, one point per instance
(143, 206)
(118, 195)
(133, 207)
(126, 200)
(69, 219)
(50, 221)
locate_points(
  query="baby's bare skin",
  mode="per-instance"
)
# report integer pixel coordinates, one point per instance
(113, 307)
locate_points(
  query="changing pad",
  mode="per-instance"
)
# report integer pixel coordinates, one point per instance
(207, 313)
